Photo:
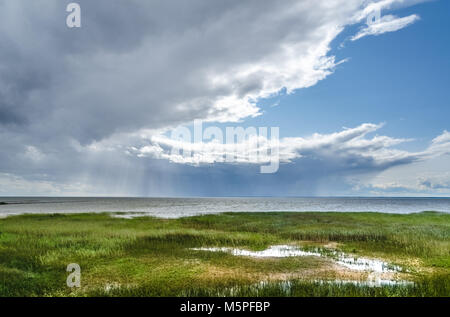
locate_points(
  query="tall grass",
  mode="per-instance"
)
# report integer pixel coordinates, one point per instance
(152, 257)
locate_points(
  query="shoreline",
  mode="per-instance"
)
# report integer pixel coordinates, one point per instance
(146, 214)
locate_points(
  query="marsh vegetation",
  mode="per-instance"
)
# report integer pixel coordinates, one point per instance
(146, 256)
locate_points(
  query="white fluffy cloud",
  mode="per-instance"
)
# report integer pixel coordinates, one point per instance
(387, 23)
(345, 146)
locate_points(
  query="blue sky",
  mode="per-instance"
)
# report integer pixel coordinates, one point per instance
(401, 78)
(91, 111)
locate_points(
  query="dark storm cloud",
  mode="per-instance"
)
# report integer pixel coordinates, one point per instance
(136, 64)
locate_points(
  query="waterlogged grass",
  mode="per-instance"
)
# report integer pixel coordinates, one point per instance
(153, 257)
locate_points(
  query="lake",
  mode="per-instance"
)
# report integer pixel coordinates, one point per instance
(181, 207)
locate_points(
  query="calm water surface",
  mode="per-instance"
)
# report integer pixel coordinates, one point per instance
(180, 207)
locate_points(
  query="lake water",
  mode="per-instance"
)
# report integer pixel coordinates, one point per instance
(181, 207)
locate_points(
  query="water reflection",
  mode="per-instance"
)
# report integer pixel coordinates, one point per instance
(283, 251)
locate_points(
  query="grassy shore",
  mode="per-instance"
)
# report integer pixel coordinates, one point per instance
(154, 257)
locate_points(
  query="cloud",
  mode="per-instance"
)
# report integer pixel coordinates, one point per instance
(89, 106)
(423, 183)
(15, 184)
(156, 64)
(435, 182)
(159, 64)
(387, 23)
(426, 176)
(350, 147)
(373, 7)
(143, 164)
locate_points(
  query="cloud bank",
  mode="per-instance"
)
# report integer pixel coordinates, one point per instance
(347, 145)
(84, 110)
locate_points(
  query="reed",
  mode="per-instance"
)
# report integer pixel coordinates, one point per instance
(153, 257)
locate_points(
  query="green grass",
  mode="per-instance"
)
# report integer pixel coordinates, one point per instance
(152, 257)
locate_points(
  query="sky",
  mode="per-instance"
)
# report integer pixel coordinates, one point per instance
(361, 104)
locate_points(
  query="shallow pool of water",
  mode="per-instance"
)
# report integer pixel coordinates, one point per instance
(340, 258)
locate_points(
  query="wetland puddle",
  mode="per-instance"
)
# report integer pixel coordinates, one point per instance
(340, 258)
